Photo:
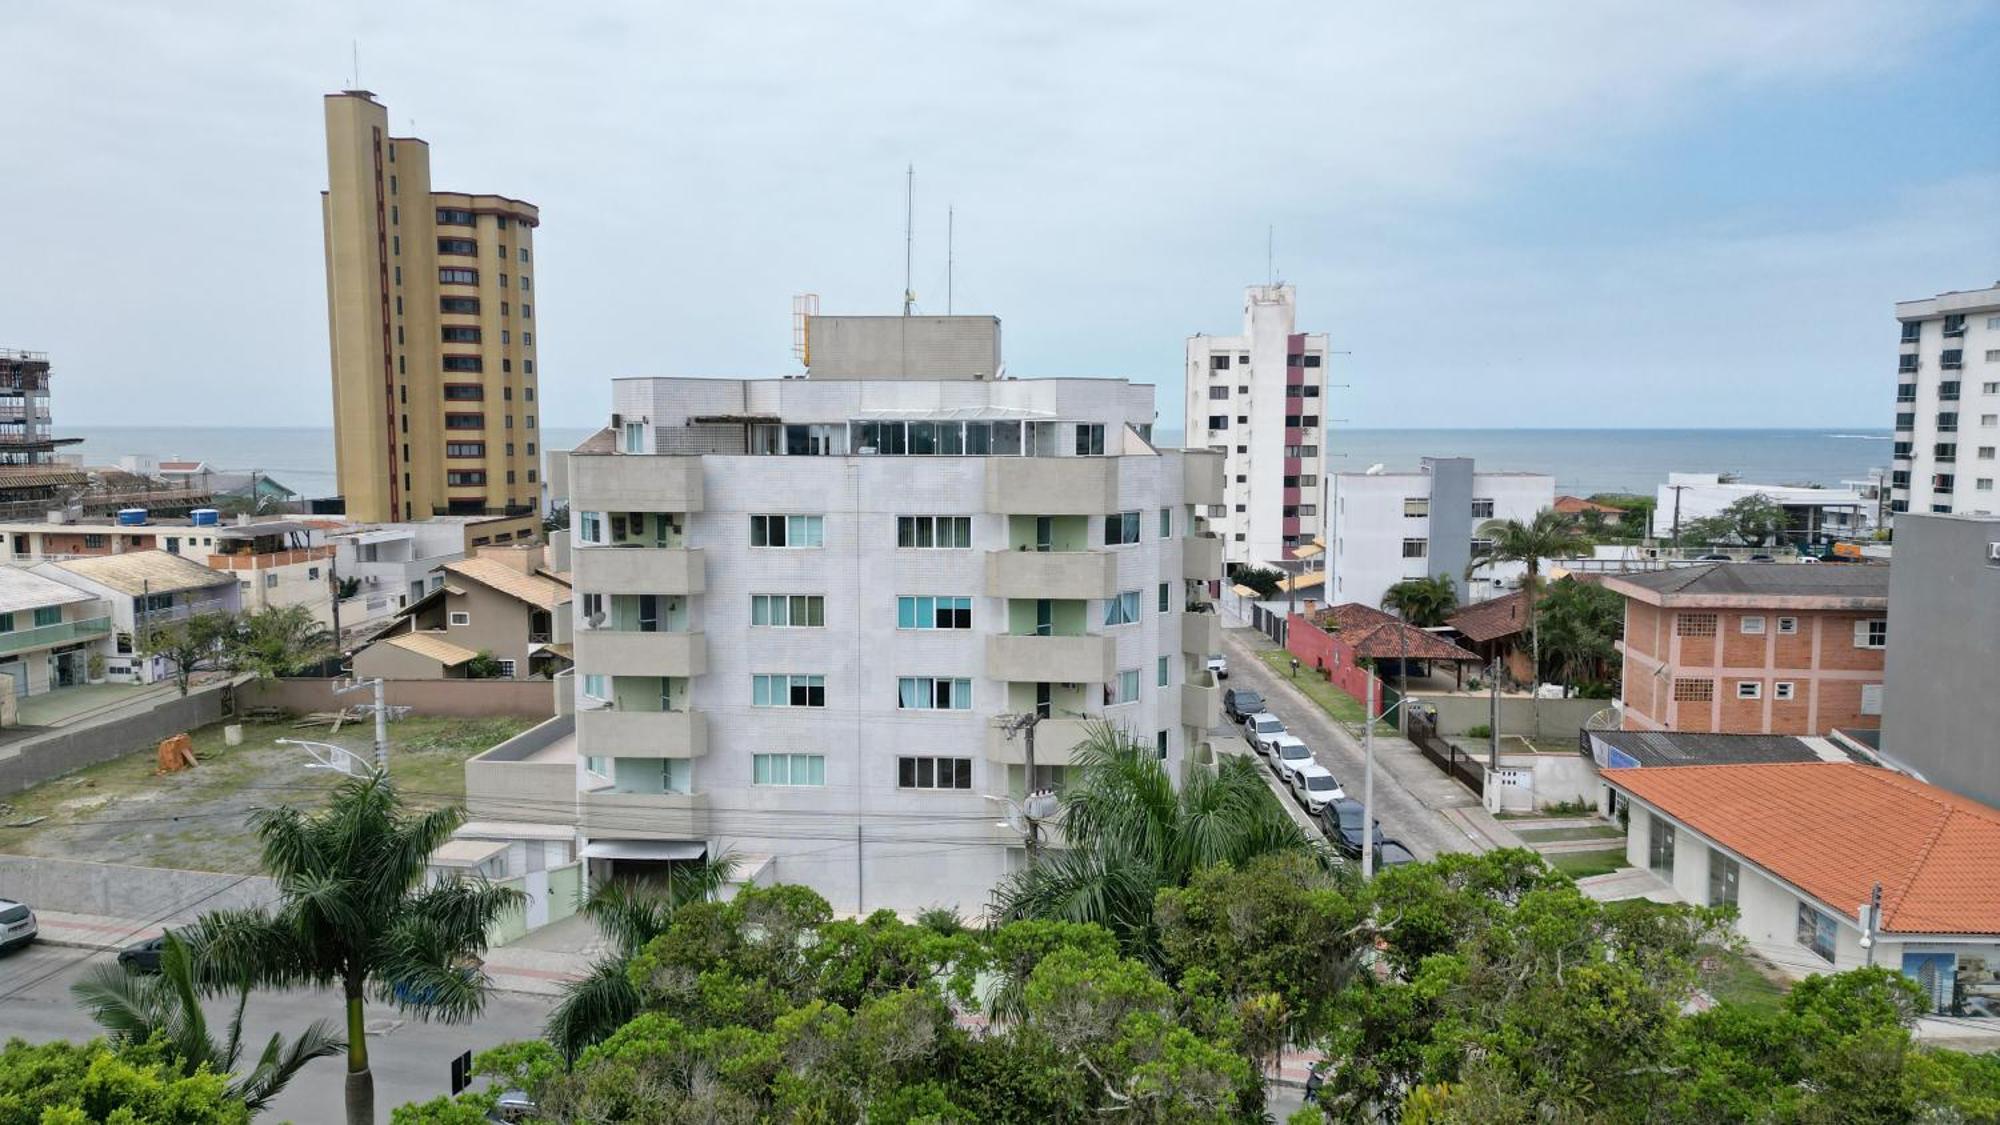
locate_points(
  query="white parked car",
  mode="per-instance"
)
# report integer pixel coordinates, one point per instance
(17, 924)
(1220, 666)
(1316, 786)
(1288, 754)
(1261, 728)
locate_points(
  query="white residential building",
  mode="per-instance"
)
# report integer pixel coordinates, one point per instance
(1260, 400)
(1391, 526)
(801, 605)
(1813, 516)
(1948, 404)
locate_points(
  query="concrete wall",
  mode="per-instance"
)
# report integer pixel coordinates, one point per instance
(1322, 652)
(1557, 720)
(1939, 709)
(119, 891)
(1557, 777)
(36, 759)
(903, 347)
(468, 698)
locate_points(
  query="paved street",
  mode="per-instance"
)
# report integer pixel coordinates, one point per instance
(1402, 815)
(412, 1061)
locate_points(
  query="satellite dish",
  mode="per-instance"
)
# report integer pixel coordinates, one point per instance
(596, 619)
(1376, 469)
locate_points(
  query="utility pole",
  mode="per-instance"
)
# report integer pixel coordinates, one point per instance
(333, 582)
(1493, 717)
(381, 709)
(1368, 783)
(1871, 922)
(1677, 512)
(1036, 804)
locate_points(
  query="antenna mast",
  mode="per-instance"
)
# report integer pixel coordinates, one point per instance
(947, 260)
(356, 77)
(909, 234)
(1270, 255)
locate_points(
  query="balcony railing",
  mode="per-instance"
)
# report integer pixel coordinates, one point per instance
(61, 633)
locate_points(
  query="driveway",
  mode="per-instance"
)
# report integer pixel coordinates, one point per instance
(1402, 815)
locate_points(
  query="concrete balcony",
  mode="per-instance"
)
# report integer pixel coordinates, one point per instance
(607, 813)
(605, 651)
(1201, 557)
(640, 570)
(616, 482)
(1059, 660)
(1051, 574)
(1201, 477)
(1051, 486)
(606, 733)
(1054, 740)
(1201, 634)
(1201, 701)
(531, 776)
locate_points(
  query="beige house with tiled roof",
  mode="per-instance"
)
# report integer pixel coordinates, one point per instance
(503, 602)
(144, 590)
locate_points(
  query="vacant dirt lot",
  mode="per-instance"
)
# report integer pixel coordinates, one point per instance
(122, 812)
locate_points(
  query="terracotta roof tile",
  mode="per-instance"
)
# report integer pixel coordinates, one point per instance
(1383, 636)
(1834, 830)
(536, 589)
(1491, 619)
(1572, 505)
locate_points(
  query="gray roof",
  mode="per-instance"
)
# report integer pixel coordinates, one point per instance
(1685, 748)
(20, 590)
(1834, 580)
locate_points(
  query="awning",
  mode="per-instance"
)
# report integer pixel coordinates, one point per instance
(644, 849)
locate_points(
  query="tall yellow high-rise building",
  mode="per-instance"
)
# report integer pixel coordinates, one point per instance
(430, 302)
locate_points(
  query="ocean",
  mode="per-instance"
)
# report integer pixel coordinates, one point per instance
(1582, 461)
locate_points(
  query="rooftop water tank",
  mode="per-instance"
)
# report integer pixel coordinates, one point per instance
(206, 517)
(131, 517)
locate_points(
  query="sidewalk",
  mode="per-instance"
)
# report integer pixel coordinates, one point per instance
(91, 931)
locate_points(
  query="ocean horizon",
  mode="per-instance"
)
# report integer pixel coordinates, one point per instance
(1583, 460)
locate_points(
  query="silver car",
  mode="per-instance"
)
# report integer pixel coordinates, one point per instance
(1262, 729)
(17, 924)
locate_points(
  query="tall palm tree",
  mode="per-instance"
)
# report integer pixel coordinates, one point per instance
(1550, 535)
(1423, 602)
(629, 914)
(1581, 624)
(353, 912)
(135, 1008)
(1130, 831)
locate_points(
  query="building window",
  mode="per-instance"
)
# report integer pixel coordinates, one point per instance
(1871, 699)
(1218, 421)
(459, 619)
(468, 305)
(1694, 691)
(788, 769)
(1660, 846)
(926, 612)
(1694, 624)
(597, 765)
(1749, 689)
(1218, 363)
(1217, 394)
(1482, 548)
(464, 449)
(464, 392)
(1417, 507)
(1121, 528)
(788, 611)
(1416, 548)
(1873, 633)
(787, 531)
(1782, 690)
(1817, 931)
(938, 532)
(934, 773)
(52, 614)
(933, 693)
(1723, 875)
(506, 669)
(1166, 597)
(1161, 673)
(461, 246)
(456, 275)
(1090, 439)
(787, 690)
(1752, 623)
(1160, 744)
(1123, 609)
(454, 217)
(464, 363)
(464, 478)
(1166, 523)
(1788, 626)
(1123, 688)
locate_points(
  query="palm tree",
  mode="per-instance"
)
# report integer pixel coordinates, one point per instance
(630, 915)
(279, 641)
(1423, 602)
(352, 911)
(1581, 623)
(1130, 831)
(135, 1008)
(1550, 535)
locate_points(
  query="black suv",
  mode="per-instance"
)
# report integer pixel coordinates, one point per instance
(1342, 821)
(1241, 703)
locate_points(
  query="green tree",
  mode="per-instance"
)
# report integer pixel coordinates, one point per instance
(1423, 602)
(1262, 579)
(629, 914)
(279, 641)
(1129, 831)
(483, 666)
(353, 911)
(1550, 535)
(192, 644)
(59, 1083)
(1755, 519)
(1581, 623)
(136, 1008)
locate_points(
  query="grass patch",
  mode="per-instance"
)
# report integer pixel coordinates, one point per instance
(1332, 700)
(1588, 832)
(1739, 979)
(1582, 865)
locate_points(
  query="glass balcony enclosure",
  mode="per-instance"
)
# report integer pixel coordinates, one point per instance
(631, 529)
(636, 693)
(1048, 617)
(1048, 533)
(636, 613)
(934, 438)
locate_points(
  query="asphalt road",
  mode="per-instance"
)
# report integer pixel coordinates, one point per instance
(1401, 815)
(411, 1060)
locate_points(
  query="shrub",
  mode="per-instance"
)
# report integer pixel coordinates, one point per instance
(1479, 730)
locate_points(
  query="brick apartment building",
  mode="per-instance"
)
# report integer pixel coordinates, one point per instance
(1754, 648)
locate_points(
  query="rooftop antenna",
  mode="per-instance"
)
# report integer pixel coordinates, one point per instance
(355, 78)
(909, 234)
(947, 259)
(1270, 257)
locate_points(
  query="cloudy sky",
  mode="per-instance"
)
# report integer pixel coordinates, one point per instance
(1613, 212)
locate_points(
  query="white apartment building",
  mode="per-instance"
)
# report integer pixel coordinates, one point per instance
(802, 604)
(1391, 526)
(1260, 400)
(1947, 404)
(1812, 515)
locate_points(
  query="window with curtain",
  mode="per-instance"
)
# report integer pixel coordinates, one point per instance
(1123, 609)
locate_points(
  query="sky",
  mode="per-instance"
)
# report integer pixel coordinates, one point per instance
(1526, 214)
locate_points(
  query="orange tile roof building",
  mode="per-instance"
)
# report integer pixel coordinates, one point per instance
(1799, 848)
(1754, 648)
